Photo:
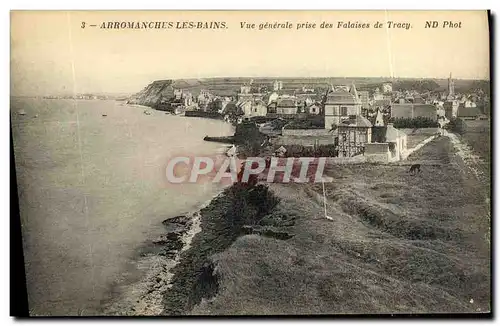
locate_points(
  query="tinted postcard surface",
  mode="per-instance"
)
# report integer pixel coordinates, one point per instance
(253, 162)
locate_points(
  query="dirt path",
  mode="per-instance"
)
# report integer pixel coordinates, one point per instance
(471, 160)
(473, 166)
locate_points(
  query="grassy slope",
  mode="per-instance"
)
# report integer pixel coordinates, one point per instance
(221, 224)
(478, 137)
(398, 244)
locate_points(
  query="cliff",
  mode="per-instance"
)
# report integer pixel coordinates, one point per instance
(152, 93)
(229, 86)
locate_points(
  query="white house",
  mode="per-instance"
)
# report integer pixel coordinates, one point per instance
(397, 142)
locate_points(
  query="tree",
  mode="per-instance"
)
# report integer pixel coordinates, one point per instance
(421, 85)
(418, 122)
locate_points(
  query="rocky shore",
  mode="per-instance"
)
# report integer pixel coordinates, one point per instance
(239, 210)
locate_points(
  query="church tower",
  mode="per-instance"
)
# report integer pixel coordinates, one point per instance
(451, 86)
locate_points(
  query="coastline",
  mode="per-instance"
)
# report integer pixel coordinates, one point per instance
(157, 259)
(222, 221)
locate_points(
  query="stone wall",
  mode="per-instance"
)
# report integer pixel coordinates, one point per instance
(306, 132)
(303, 141)
(377, 152)
(346, 160)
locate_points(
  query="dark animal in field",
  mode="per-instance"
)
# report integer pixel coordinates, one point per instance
(415, 168)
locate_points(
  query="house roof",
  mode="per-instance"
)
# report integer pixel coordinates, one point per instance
(362, 121)
(340, 97)
(287, 103)
(259, 102)
(410, 110)
(304, 96)
(286, 91)
(468, 112)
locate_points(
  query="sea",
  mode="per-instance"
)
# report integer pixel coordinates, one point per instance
(92, 192)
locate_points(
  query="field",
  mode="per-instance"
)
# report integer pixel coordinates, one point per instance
(396, 243)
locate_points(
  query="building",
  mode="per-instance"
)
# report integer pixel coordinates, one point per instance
(286, 106)
(383, 105)
(177, 94)
(273, 97)
(277, 85)
(411, 111)
(451, 88)
(245, 106)
(469, 104)
(364, 97)
(314, 108)
(305, 89)
(397, 141)
(440, 111)
(389, 145)
(340, 105)
(451, 109)
(249, 91)
(387, 88)
(378, 95)
(204, 98)
(352, 135)
(245, 89)
(259, 109)
(468, 113)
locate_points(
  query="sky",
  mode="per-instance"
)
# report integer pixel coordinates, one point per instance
(52, 54)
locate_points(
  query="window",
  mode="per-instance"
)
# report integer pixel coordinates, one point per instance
(361, 138)
(343, 110)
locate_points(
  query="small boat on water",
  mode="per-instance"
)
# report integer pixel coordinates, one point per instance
(104, 115)
(21, 112)
(146, 112)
